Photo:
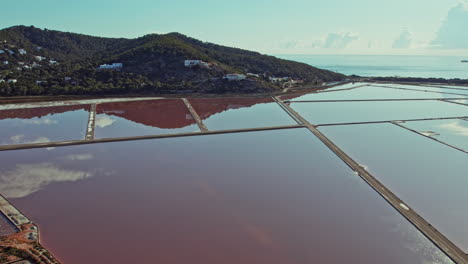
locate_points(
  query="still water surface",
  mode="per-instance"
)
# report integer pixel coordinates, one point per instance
(265, 197)
(37, 125)
(430, 177)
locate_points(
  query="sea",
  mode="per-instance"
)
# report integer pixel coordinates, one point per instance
(447, 67)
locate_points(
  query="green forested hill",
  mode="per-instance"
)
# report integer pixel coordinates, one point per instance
(66, 63)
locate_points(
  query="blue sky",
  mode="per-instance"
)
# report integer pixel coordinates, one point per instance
(274, 26)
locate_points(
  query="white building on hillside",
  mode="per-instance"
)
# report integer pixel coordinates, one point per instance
(12, 81)
(253, 75)
(235, 77)
(279, 79)
(39, 58)
(192, 63)
(112, 66)
(22, 52)
(5, 62)
(2, 52)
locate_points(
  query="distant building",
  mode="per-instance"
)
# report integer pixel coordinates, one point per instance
(253, 75)
(38, 48)
(22, 52)
(5, 62)
(11, 52)
(67, 79)
(39, 58)
(20, 63)
(279, 79)
(235, 77)
(39, 82)
(2, 52)
(2, 81)
(53, 62)
(112, 66)
(192, 63)
(12, 81)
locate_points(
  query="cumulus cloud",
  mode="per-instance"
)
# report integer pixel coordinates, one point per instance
(44, 121)
(289, 44)
(27, 179)
(457, 127)
(452, 33)
(20, 139)
(79, 157)
(104, 121)
(339, 40)
(403, 41)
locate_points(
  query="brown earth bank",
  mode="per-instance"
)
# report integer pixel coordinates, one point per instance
(24, 245)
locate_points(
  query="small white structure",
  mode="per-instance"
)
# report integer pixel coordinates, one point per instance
(11, 52)
(279, 79)
(12, 81)
(67, 79)
(39, 82)
(111, 66)
(5, 62)
(20, 63)
(2, 52)
(39, 58)
(53, 62)
(192, 63)
(22, 52)
(2, 81)
(253, 75)
(235, 77)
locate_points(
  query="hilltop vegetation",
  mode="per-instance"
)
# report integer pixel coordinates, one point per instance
(47, 62)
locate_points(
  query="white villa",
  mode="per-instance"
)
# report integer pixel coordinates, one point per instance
(235, 77)
(111, 66)
(12, 81)
(22, 52)
(279, 79)
(253, 75)
(192, 63)
(39, 58)
(5, 62)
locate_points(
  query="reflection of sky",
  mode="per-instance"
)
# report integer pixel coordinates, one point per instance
(21, 127)
(26, 179)
(458, 127)
(104, 121)
(40, 121)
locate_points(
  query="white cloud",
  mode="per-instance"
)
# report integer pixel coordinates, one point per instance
(452, 33)
(339, 40)
(104, 121)
(289, 44)
(457, 128)
(403, 41)
(20, 139)
(26, 179)
(79, 157)
(44, 121)
(17, 139)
